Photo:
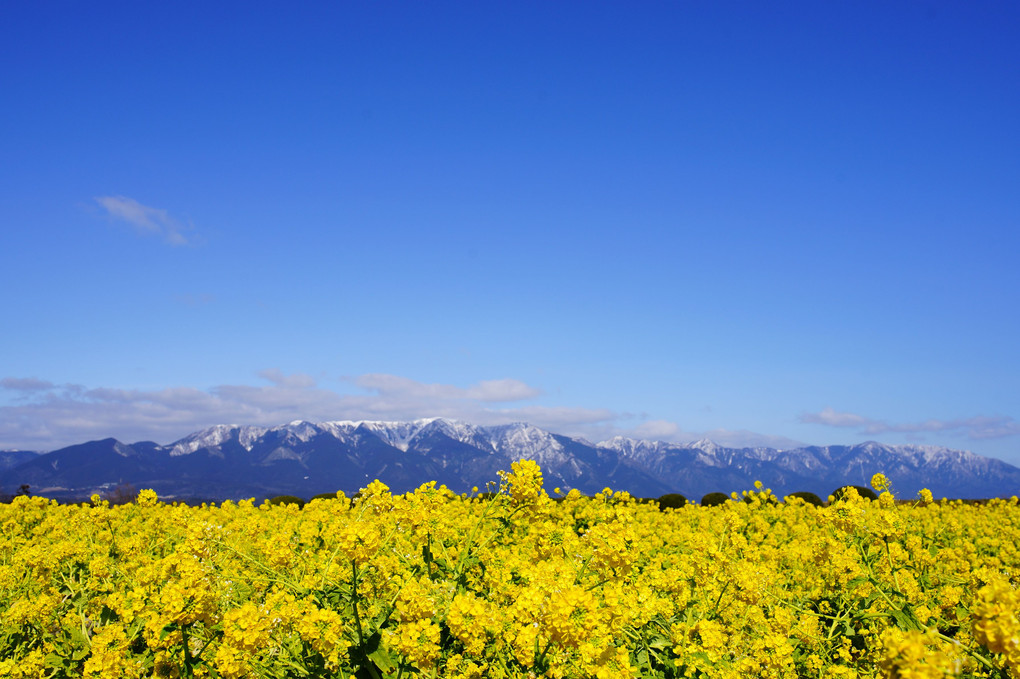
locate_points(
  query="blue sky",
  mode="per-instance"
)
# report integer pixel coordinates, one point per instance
(761, 224)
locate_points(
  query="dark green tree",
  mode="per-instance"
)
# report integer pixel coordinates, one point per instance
(672, 501)
(808, 497)
(863, 491)
(714, 499)
(287, 500)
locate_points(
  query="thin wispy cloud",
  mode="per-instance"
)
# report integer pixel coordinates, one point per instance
(977, 428)
(195, 300)
(664, 430)
(25, 384)
(292, 381)
(145, 220)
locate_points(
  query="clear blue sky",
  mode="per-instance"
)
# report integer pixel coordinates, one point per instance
(760, 223)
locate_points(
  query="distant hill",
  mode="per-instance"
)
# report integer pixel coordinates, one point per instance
(9, 459)
(305, 458)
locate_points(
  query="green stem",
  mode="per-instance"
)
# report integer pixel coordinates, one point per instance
(329, 564)
(715, 608)
(980, 658)
(648, 656)
(541, 658)
(355, 597)
(892, 569)
(584, 570)
(832, 628)
(276, 576)
(354, 602)
(466, 549)
(874, 578)
(187, 651)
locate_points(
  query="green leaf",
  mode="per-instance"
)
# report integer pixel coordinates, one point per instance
(54, 660)
(384, 660)
(905, 619)
(80, 654)
(659, 643)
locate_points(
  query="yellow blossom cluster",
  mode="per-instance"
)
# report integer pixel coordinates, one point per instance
(511, 585)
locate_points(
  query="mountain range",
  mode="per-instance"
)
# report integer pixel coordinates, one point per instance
(304, 458)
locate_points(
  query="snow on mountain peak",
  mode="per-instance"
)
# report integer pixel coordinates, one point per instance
(524, 441)
(705, 445)
(247, 436)
(634, 447)
(396, 434)
(300, 429)
(123, 450)
(216, 436)
(207, 438)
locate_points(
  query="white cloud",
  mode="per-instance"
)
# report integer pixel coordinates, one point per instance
(144, 219)
(403, 387)
(501, 391)
(977, 428)
(830, 417)
(657, 430)
(492, 391)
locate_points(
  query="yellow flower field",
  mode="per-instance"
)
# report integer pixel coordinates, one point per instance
(515, 584)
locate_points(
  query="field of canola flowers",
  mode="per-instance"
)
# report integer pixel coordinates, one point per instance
(513, 584)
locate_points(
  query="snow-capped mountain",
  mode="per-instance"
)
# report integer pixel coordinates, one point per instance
(944, 471)
(305, 458)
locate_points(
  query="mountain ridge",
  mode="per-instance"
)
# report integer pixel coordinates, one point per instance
(305, 458)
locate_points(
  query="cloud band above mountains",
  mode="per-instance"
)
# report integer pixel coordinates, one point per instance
(41, 415)
(977, 428)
